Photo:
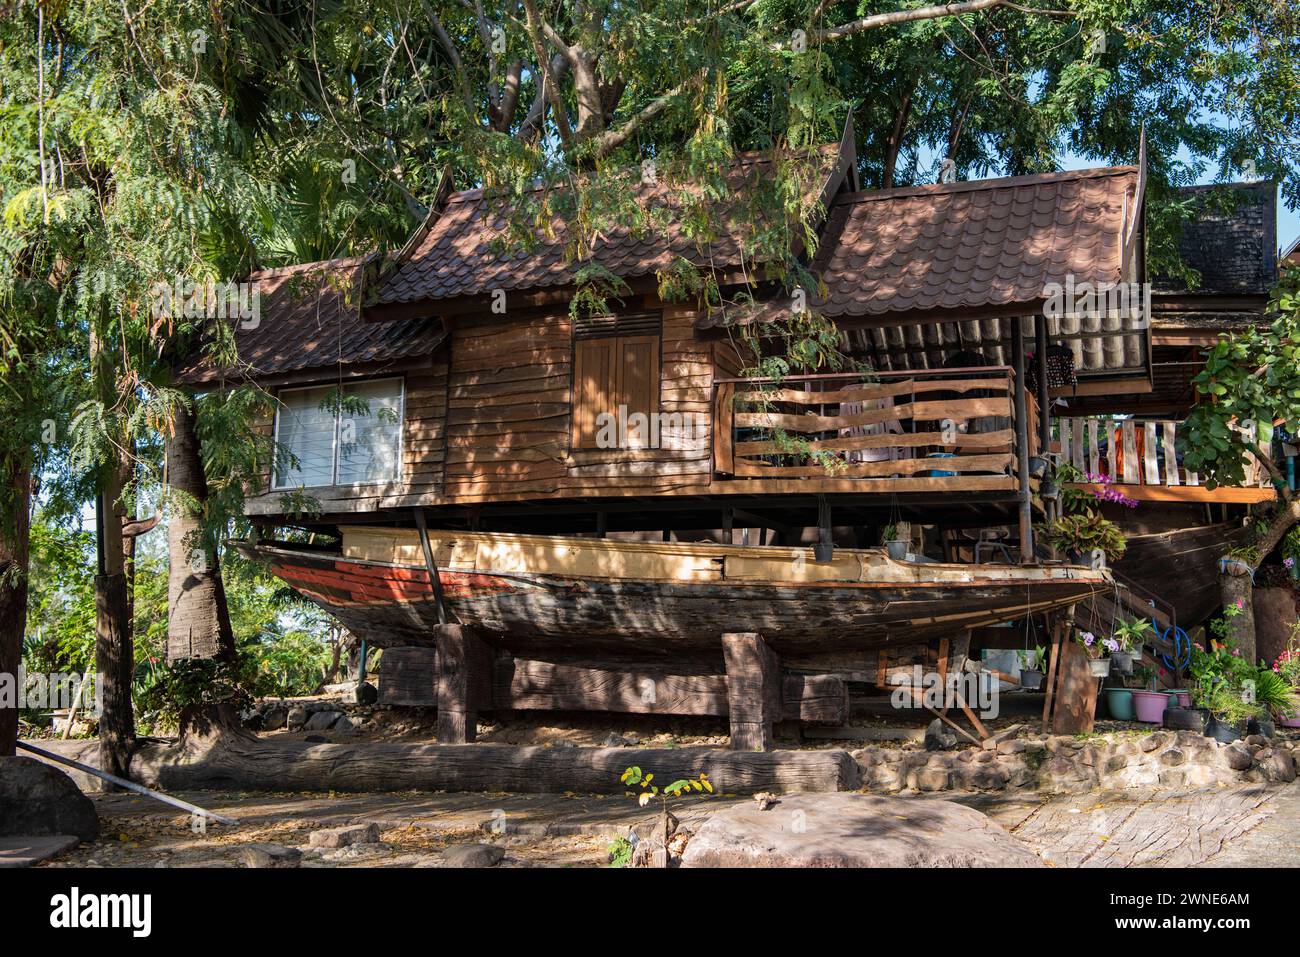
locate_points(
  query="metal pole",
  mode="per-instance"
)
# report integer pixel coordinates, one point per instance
(1022, 442)
(129, 785)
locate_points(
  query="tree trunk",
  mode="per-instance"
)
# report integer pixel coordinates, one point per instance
(198, 621)
(1236, 588)
(1236, 583)
(114, 648)
(14, 537)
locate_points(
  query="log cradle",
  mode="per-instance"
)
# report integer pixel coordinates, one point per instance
(665, 628)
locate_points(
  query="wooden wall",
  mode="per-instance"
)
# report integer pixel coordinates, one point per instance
(509, 425)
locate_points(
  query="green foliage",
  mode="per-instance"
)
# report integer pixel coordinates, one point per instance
(1132, 634)
(620, 852)
(180, 694)
(1083, 532)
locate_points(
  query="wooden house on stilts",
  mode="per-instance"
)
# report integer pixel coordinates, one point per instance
(529, 510)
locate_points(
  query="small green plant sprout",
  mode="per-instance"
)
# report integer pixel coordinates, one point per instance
(1033, 658)
(649, 792)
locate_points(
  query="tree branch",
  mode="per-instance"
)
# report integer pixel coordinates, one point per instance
(611, 140)
(904, 16)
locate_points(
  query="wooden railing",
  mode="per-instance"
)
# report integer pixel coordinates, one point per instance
(1133, 452)
(941, 423)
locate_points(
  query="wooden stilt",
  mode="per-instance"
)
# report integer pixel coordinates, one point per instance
(464, 682)
(753, 690)
(1053, 668)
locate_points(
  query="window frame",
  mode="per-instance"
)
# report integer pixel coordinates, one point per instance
(334, 446)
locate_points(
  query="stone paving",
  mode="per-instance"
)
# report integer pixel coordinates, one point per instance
(1244, 824)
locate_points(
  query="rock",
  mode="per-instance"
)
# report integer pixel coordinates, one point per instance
(343, 836)
(366, 693)
(1011, 747)
(269, 855)
(613, 740)
(1238, 757)
(37, 799)
(992, 742)
(933, 779)
(275, 719)
(322, 720)
(939, 737)
(1154, 741)
(1172, 758)
(346, 725)
(1279, 769)
(296, 717)
(854, 830)
(1258, 739)
(472, 855)
(316, 739)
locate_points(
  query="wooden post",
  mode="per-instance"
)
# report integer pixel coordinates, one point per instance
(435, 579)
(1058, 631)
(464, 682)
(1076, 699)
(1044, 399)
(825, 548)
(1022, 443)
(753, 690)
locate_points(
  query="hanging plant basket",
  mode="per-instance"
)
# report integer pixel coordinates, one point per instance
(1100, 667)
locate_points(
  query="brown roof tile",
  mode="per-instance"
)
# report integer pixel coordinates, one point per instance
(309, 320)
(458, 256)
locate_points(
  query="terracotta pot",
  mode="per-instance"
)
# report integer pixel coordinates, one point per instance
(1149, 706)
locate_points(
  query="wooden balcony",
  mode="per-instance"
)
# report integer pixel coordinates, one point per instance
(887, 433)
(1140, 458)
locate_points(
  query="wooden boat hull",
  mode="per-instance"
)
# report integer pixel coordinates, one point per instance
(541, 613)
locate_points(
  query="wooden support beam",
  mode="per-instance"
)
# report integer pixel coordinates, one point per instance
(464, 682)
(435, 580)
(753, 690)
(1076, 698)
(1022, 444)
(1044, 400)
(410, 678)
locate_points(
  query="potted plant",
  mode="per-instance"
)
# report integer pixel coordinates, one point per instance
(1291, 553)
(1032, 667)
(1226, 685)
(1130, 635)
(1149, 705)
(1119, 699)
(1287, 667)
(1097, 651)
(1084, 533)
(897, 544)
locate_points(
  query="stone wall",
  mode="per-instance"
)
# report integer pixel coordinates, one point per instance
(1062, 764)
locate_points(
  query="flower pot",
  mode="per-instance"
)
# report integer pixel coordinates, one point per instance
(1121, 662)
(1031, 679)
(1037, 466)
(1149, 706)
(1100, 667)
(1187, 719)
(897, 550)
(1291, 722)
(1294, 571)
(1262, 726)
(1119, 702)
(1224, 732)
(1184, 697)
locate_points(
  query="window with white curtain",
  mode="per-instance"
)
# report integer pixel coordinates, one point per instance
(332, 435)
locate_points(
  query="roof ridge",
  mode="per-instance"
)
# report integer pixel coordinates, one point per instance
(971, 185)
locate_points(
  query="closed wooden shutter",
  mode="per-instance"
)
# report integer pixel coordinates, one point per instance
(609, 373)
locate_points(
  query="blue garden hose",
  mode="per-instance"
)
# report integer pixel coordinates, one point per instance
(1178, 638)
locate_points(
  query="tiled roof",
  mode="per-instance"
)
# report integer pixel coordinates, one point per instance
(983, 243)
(309, 320)
(461, 254)
(1234, 251)
(979, 245)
